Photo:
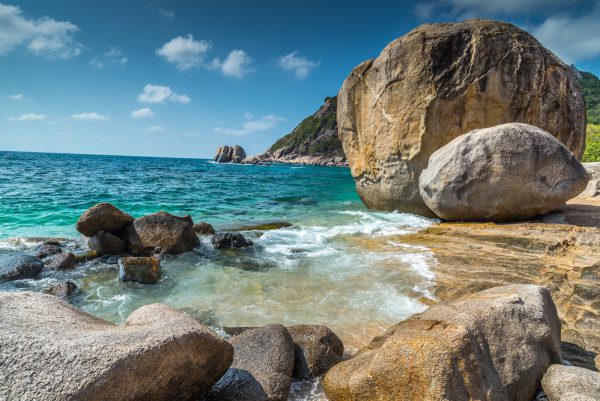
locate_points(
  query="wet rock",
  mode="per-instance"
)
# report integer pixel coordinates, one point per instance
(160, 233)
(45, 250)
(20, 267)
(263, 361)
(571, 383)
(503, 173)
(53, 351)
(264, 226)
(495, 342)
(203, 228)
(63, 290)
(318, 348)
(105, 243)
(440, 81)
(103, 217)
(145, 270)
(62, 261)
(230, 241)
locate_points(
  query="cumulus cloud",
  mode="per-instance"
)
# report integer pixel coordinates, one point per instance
(252, 125)
(29, 117)
(155, 128)
(237, 64)
(43, 36)
(92, 116)
(160, 94)
(141, 113)
(300, 66)
(114, 56)
(16, 96)
(185, 52)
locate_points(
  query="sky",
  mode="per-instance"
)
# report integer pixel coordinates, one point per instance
(180, 78)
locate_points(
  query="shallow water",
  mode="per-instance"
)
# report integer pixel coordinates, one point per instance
(317, 271)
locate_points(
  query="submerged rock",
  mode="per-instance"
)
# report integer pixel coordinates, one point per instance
(263, 361)
(103, 217)
(160, 233)
(105, 243)
(62, 261)
(63, 290)
(45, 250)
(20, 267)
(318, 348)
(492, 345)
(145, 270)
(262, 226)
(230, 241)
(438, 82)
(53, 351)
(570, 383)
(509, 172)
(203, 228)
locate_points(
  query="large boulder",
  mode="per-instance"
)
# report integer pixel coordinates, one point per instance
(230, 241)
(144, 270)
(571, 383)
(230, 154)
(438, 82)
(103, 217)
(62, 261)
(318, 348)
(53, 351)
(490, 346)
(509, 172)
(20, 267)
(160, 232)
(263, 361)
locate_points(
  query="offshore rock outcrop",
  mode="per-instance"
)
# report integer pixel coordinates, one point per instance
(438, 82)
(230, 154)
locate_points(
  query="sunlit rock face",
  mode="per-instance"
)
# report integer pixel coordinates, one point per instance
(440, 81)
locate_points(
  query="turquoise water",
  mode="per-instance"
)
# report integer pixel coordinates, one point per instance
(339, 264)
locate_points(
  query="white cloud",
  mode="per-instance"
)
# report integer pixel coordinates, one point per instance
(487, 8)
(92, 116)
(186, 53)
(43, 36)
(162, 11)
(236, 64)
(299, 65)
(29, 117)
(252, 124)
(16, 96)
(140, 113)
(114, 56)
(160, 94)
(572, 39)
(155, 128)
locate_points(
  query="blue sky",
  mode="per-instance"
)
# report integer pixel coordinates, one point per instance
(180, 78)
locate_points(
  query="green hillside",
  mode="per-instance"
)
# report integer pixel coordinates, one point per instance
(316, 135)
(590, 86)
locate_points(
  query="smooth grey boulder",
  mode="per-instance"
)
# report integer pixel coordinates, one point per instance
(494, 345)
(318, 348)
(103, 217)
(160, 232)
(105, 243)
(507, 172)
(263, 361)
(20, 267)
(52, 351)
(571, 383)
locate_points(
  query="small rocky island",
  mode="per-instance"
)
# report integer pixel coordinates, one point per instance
(475, 123)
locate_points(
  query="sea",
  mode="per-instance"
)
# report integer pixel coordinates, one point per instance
(338, 264)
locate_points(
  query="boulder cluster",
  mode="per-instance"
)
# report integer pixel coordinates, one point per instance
(230, 154)
(402, 112)
(499, 344)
